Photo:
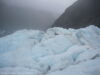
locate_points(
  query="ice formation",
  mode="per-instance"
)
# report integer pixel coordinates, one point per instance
(57, 51)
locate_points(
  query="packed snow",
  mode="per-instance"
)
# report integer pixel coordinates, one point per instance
(57, 51)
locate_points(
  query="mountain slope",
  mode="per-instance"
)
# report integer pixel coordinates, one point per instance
(81, 14)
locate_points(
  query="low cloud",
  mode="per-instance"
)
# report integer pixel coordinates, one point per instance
(54, 6)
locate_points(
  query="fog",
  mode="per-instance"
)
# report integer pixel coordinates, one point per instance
(30, 14)
(54, 6)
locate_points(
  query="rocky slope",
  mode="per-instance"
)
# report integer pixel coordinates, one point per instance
(81, 14)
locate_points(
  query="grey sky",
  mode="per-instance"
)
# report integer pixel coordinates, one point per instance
(16, 18)
(54, 6)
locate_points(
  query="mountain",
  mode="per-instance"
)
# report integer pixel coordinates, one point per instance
(81, 14)
(14, 18)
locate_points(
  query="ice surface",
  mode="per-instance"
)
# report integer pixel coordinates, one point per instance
(91, 67)
(57, 51)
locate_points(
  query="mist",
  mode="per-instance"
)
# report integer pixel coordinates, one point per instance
(30, 14)
(54, 6)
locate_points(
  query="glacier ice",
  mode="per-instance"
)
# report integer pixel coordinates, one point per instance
(54, 52)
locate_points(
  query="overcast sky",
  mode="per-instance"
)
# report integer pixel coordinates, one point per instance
(54, 6)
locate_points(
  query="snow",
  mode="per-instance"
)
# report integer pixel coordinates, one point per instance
(57, 51)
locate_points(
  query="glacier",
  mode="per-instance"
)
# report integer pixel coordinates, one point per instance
(57, 51)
